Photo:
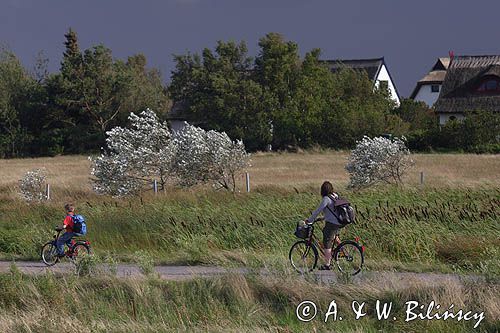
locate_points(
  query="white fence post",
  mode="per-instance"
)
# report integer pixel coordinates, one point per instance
(247, 176)
(155, 186)
(47, 191)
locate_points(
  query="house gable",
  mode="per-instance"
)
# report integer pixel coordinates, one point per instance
(429, 87)
(384, 75)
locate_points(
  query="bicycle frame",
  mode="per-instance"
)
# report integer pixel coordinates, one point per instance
(344, 253)
(312, 239)
(73, 241)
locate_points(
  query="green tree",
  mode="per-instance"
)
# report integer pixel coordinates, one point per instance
(145, 90)
(314, 94)
(220, 93)
(476, 132)
(421, 123)
(93, 93)
(17, 92)
(356, 110)
(417, 114)
(277, 69)
(280, 98)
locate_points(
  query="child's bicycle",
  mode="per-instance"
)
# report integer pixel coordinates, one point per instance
(78, 250)
(348, 255)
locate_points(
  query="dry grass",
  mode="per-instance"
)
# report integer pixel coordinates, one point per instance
(232, 303)
(67, 172)
(313, 168)
(284, 169)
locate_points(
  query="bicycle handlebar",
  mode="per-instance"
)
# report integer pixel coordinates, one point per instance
(316, 220)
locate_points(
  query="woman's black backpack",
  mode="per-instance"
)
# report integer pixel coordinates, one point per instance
(343, 211)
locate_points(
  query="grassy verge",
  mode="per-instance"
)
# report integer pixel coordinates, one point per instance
(411, 229)
(232, 303)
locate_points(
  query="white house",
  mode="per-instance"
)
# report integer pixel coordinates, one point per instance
(375, 68)
(428, 88)
(471, 83)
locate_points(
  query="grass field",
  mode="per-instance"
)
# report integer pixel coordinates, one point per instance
(451, 224)
(411, 228)
(437, 227)
(70, 174)
(232, 303)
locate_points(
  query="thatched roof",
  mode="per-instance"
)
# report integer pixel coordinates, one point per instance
(464, 75)
(370, 66)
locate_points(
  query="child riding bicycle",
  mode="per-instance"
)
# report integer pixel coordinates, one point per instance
(68, 226)
(332, 227)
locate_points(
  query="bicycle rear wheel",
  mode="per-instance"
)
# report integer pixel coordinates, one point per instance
(303, 257)
(80, 252)
(349, 257)
(49, 254)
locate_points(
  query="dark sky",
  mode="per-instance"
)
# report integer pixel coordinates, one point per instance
(410, 34)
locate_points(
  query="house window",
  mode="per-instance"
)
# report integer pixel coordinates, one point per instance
(384, 85)
(435, 88)
(452, 118)
(491, 85)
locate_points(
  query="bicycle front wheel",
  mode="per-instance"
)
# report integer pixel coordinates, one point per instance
(49, 254)
(349, 257)
(303, 257)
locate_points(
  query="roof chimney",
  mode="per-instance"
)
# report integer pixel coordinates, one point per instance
(451, 54)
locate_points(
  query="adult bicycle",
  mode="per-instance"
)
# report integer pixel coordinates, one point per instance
(348, 255)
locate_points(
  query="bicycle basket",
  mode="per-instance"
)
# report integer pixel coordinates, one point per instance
(302, 231)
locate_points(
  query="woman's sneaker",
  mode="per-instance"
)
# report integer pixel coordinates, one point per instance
(325, 268)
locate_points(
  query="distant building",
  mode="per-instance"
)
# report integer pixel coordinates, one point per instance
(178, 116)
(471, 83)
(428, 88)
(375, 68)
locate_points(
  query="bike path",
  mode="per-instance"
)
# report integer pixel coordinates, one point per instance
(396, 279)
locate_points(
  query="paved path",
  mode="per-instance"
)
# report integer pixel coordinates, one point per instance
(189, 272)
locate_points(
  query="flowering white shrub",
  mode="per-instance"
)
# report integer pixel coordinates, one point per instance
(32, 185)
(146, 151)
(135, 156)
(228, 158)
(378, 160)
(211, 156)
(191, 163)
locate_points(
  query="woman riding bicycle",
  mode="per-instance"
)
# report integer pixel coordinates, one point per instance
(332, 226)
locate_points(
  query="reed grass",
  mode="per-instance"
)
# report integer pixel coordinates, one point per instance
(232, 303)
(454, 228)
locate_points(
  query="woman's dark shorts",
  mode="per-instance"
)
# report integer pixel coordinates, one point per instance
(329, 232)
